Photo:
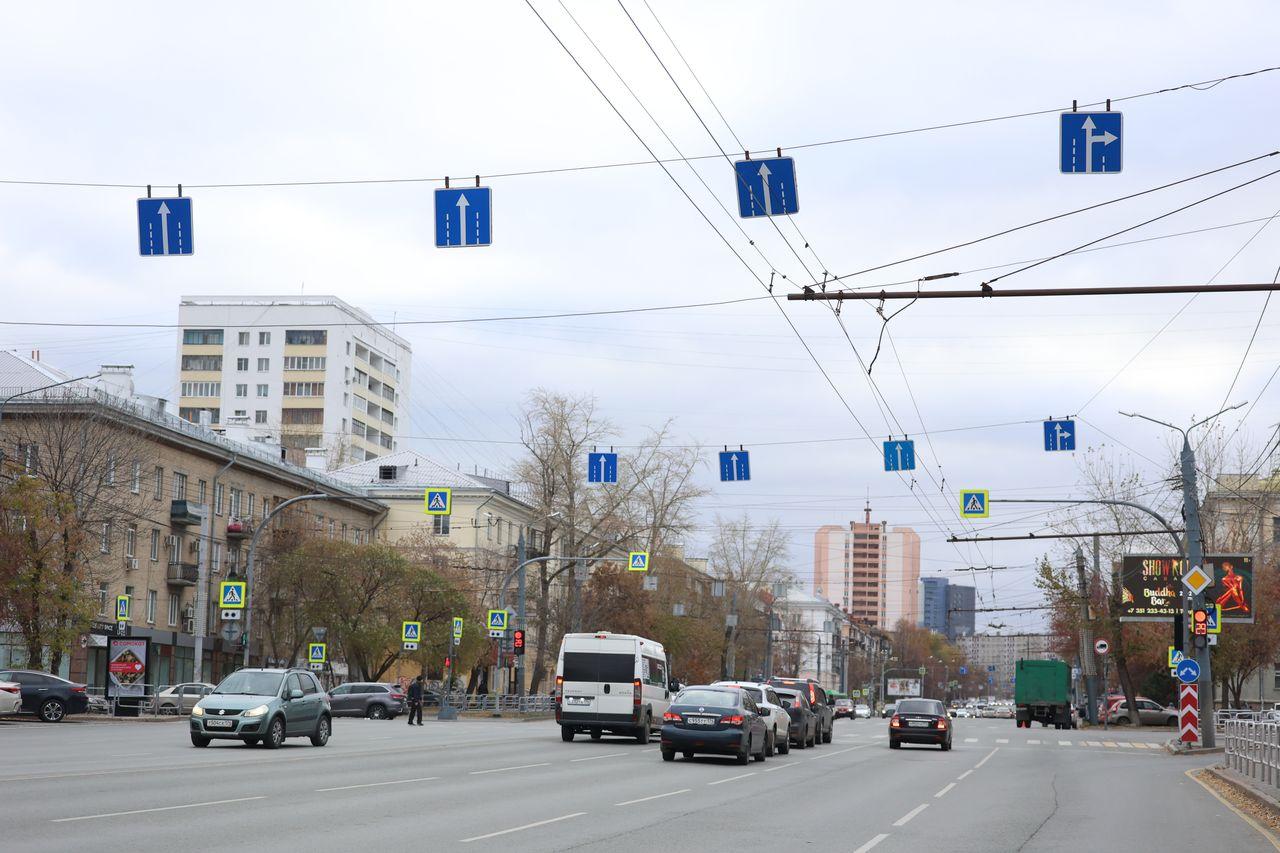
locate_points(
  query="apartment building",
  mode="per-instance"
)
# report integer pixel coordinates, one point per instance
(996, 655)
(946, 608)
(295, 371)
(868, 570)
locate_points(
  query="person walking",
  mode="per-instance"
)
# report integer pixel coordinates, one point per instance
(415, 700)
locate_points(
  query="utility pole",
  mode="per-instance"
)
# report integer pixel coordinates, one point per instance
(1195, 557)
(1086, 637)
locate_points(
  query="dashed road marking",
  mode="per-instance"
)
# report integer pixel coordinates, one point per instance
(902, 821)
(158, 809)
(732, 778)
(517, 767)
(944, 790)
(872, 843)
(654, 797)
(377, 784)
(518, 828)
(598, 757)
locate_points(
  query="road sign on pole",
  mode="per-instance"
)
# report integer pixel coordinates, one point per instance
(1102, 647)
(1213, 613)
(602, 467)
(900, 455)
(766, 187)
(122, 608)
(464, 217)
(1197, 580)
(165, 227)
(410, 632)
(316, 653)
(231, 595)
(1175, 658)
(1188, 713)
(735, 465)
(437, 501)
(638, 561)
(497, 620)
(1059, 435)
(975, 503)
(1188, 671)
(1091, 143)
(457, 628)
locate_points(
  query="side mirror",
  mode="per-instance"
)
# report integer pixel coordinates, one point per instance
(295, 693)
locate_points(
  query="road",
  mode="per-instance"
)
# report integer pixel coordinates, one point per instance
(484, 783)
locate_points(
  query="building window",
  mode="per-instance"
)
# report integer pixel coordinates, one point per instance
(204, 488)
(440, 524)
(151, 606)
(264, 339)
(242, 338)
(30, 458)
(193, 413)
(237, 497)
(264, 364)
(201, 389)
(179, 486)
(304, 389)
(241, 413)
(159, 484)
(202, 362)
(104, 545)
(215, 557)
(242, 390)
(202, 337)
(102, 598)
(260, 416)
(1275, 530)
(155, 545)
(332, 528)
(304, 362)
(249, 514)
(262, 390)
(233, 560)
(131, 541)
(306, 337)
(135, 479)
(175, 605)
(242, 365)
(174, 543)
(309, 417)
(218, 491)
(111, 469)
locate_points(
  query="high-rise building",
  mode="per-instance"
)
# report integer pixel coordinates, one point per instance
(946, 608)
(960, 616)
(868, 570)
(295, 371)
(933, 604)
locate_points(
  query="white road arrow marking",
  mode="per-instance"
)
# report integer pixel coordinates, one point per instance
(764, 181)
(164, 228)
(462, 217)
(733, 464)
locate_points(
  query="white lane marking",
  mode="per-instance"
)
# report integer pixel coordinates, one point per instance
(960, 778)
(1002, 740)
(902, 821)
(387, 737)
(988, 758)
(732, 778)
(518, 828)
(971, 740)
(879, 737)
(517, 767)
(838, 751)
(778, 767)
(1092, 743)
(159, 809)
(1034, 742)
(1126, 744)
(948, 787)
(598, 757)
(1109, 743)
(1064, 743)
(378, 784)
(872, 843)
(654, 797)
(130, 754)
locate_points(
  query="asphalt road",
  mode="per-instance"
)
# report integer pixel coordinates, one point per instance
(484, 784)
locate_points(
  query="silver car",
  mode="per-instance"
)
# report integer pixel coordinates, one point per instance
(181, 698)
(1149, 714)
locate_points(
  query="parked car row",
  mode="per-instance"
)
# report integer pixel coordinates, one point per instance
(47, 696)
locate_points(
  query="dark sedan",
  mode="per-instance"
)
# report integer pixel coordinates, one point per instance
(716, 720)
(47, 696)
(920, 721)
(804, 722)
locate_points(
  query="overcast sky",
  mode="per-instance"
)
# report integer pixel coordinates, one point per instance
(164, 93)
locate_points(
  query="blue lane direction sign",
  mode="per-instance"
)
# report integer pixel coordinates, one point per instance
(900, 455)
(766, 187)
(735, 465)
(1059, 435)
(464, 217)
(1188, 671)
(165, 226)
(602, 467)
(1091, 143)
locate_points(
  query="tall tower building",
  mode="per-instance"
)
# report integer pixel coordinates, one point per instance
(933, 604)
(851, 569)
(901, 578)
(303, 372)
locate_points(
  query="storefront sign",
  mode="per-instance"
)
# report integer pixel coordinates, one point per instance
(127, 662)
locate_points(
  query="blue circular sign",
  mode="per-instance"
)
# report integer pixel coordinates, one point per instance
(1188, 671)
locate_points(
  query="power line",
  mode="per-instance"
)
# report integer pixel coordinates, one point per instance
(1102, 290)
(1203, 85)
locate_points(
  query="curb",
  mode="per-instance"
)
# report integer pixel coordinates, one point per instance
(1246, 788)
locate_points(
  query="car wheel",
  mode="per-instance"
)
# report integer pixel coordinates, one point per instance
(1122, 721)
(946, 746)
(668, 755)
(826, 738)
(251, 741)
(760, 756)
(642, 736)
(168, 710)
(745, 754)
(199, 740)
(813, 739)
(800, 742)
(769, 740)
(596, 734)
(566, 734)
(376, 712)
(893, 744)
(275, 734)
(52, 711)
(321, 736)
(784, 746)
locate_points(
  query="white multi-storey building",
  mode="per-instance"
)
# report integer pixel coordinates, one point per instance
(295, 371)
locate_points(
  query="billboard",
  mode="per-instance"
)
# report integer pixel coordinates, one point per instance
(1151, 587)
(902, 687)
(127, 660)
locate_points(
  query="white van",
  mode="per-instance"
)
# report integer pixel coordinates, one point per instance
(614, 683)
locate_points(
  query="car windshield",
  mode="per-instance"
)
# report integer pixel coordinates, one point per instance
(920, 706)
(707, 696)
(251, 684)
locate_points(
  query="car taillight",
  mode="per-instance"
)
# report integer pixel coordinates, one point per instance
(397, 695)
(671, 717)
(813, 696)
(635, 693)
(13, 689)
(77, 688)
(559, 687)
(942, 724)
(895, 723)
(732, 719)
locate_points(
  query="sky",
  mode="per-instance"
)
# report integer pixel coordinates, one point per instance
(153, 93)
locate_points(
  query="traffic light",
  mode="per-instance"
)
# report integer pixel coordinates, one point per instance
(517, 641)
(1200, 623)
(446, 662)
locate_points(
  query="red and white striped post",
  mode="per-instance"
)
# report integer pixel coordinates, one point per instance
(1189, 713)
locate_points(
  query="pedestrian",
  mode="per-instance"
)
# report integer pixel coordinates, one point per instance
(415, 700)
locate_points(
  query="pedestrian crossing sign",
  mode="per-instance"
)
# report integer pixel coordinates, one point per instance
(316, 653)
(457, 628)
(1214, 623)
(410, 632)
(497, 620)
(122, 608)
(975, 503)
(231, 595)
(638, 561)
(1175, 657)
(437, 501)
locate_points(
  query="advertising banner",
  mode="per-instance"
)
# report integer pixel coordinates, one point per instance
(902, 687)
(127, 659)
(1151, 587)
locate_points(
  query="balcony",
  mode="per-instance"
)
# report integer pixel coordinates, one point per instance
(182, 574)
(185, 513)
(238, 529)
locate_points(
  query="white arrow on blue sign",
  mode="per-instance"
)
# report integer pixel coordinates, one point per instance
(735, 465)
(165, 227)
(602, 467)
(766, 187)
(1188, 671)
(1059, 435)
(464, 217)
(1091, 143)
(900, 455)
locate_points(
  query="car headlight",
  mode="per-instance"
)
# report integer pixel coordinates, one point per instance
(259, 711)
(197, 711)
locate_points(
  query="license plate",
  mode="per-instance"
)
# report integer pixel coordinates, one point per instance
(918, 724)
(219, 724)
(700, 721)
(578, 700)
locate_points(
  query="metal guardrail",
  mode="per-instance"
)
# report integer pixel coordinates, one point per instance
(1222, 717)
(1253, 748)
(503, 703)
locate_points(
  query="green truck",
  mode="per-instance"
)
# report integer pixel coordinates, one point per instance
(1042, 693)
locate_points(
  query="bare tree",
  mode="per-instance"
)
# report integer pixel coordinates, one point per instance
(748, 558)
